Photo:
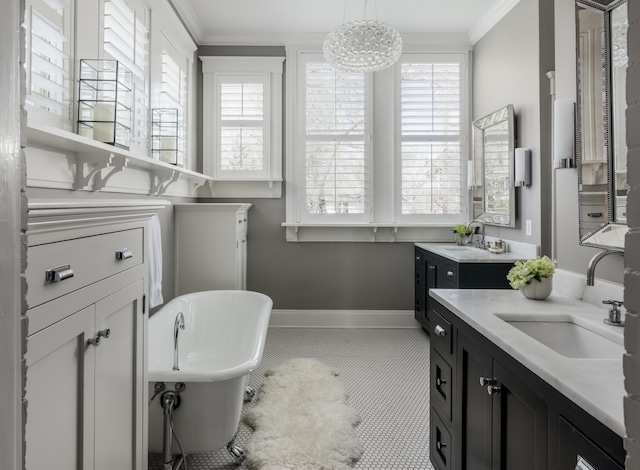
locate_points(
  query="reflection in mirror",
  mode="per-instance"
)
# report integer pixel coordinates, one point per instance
(493, 156)
(601, 27)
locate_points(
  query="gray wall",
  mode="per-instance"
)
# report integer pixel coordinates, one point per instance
(570, 254)
(336, 276)
(166, 217)
(509, 67)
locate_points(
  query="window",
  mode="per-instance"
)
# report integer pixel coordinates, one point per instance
(431, 145)
(373, 153)
(242, 121)
(242, 126)
(48, 61)
(174, 91)
(126, 39)
(336, 130)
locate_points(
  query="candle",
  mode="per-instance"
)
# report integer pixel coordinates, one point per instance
(104, 131)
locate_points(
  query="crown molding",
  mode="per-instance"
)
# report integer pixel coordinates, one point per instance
(490, 19)
(190, 19)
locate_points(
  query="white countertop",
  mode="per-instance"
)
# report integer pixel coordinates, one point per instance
(596, 385)
(470, 254)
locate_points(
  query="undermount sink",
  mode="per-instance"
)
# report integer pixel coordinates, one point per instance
(561, 334)
(457, 248)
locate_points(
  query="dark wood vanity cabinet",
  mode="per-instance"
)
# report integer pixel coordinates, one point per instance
(433, 271)
(490, 412)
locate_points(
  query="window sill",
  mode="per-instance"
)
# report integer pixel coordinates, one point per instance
(367, 232)
(92, 165)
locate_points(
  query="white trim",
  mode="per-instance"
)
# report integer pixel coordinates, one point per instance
(214, 67)
(490, 19)
(283, 318)
(190, 18)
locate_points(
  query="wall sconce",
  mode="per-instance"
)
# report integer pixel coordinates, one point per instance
(522, 167)
(564, 154)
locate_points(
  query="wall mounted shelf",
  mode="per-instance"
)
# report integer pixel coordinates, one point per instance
(91, 158)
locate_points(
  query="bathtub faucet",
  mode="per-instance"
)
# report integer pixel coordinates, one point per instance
(177, 326)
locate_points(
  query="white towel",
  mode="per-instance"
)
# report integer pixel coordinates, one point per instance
(155, 262)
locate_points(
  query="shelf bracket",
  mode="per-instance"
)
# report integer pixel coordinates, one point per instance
(100, 182)
(159, 181)
(200, 184)
(88, 171)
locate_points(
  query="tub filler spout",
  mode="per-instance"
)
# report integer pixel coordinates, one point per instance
(177, 326)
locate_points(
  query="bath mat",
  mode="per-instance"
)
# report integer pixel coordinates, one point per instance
(302, 421)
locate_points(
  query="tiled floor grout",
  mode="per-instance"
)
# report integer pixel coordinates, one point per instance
(386, 372)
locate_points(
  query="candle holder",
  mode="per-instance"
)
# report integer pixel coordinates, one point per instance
(105, 102)
(166, 136)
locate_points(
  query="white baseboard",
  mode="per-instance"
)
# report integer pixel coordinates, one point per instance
(282, 318)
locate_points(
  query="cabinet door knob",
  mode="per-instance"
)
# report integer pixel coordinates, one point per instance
(104, 333)
(491, 389)
(124, 253)
(94, 341)
(440, 382)
(441, 445)
(484, 381)
(449, 273)
(439, 331)
(58, 274)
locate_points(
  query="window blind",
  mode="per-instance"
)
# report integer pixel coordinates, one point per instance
(126, 39)
(431, 116)
(242, 125)
(48, 43)
(174, 90)
(335, 120)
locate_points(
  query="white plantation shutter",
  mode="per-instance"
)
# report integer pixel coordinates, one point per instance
(126, 39)
(336, 132)
(175, 88)
(242, 124)
(48, 65)
(431, 101)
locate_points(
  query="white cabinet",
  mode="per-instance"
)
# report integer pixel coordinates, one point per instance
(86, 359)
(211, 247)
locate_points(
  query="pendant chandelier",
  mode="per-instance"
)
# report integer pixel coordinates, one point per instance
(363, 46)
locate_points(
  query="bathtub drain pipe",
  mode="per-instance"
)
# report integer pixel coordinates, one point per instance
(170, 401)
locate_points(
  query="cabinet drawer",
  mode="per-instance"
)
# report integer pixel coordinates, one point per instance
(90, 259)
(441, 333)
(419, 259)
(442, 448)
(441, 386)
(574, 444)
(451, 275)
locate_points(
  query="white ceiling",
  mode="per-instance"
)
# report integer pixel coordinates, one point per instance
(267, 21)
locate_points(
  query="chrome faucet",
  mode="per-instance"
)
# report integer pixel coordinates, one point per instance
(591, 269)
(479, 243)
(177, 326)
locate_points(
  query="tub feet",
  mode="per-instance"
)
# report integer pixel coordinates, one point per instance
(236, 452)
(249, 393)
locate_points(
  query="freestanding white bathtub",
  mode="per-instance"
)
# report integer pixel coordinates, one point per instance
(221, 344)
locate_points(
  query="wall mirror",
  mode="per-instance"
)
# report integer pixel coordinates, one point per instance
(493, 168)
(601, 52)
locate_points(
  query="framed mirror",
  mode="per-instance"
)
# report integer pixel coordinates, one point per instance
(493, 168)
(601, 52)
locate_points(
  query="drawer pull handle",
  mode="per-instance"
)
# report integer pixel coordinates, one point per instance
(491, 389)
(449, 273)
(94, 341)
(432, 266)
(440, 382)
(104, 333)
(439, 331)
(58, 274)
(441, 445)
(484, 381)
(124, 253)
(594, 214)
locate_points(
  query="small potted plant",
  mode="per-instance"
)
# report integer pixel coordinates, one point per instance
(534, 277)
(463, 234)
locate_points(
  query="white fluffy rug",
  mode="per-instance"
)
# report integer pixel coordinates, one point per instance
(301, 420)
